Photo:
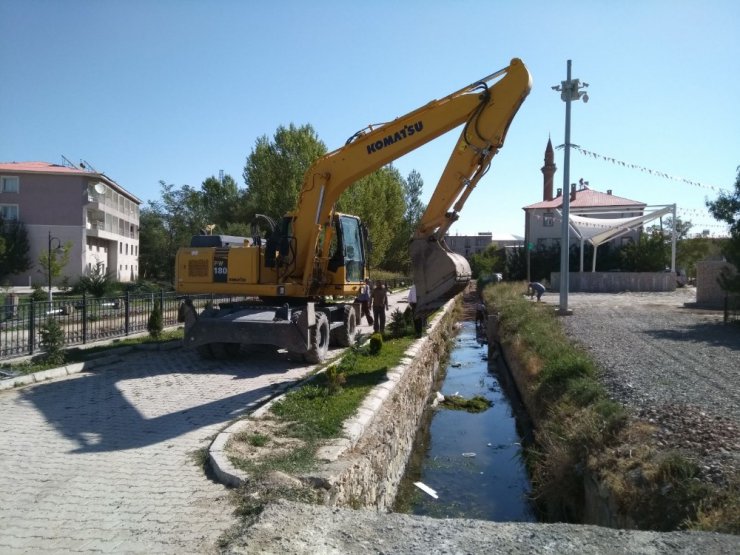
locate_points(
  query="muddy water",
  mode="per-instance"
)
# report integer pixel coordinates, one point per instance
(472, 461)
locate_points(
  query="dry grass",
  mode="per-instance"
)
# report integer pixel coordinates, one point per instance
(580, 432)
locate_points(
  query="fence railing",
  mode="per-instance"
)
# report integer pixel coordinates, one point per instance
(87, 319)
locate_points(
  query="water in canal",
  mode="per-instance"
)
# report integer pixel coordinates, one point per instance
(472, 461)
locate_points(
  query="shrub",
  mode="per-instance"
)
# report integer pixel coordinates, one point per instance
(400, 322)
(155, 325)
(38, 294)
(335, 379)
(52, 341)
(376, 343)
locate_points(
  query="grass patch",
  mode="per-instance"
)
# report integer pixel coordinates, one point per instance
(297, 425)
(317, 413)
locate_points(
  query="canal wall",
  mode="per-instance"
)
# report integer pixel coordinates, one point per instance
(598, 505)
(365, 468)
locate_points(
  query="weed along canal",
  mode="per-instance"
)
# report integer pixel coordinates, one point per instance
(468, 464)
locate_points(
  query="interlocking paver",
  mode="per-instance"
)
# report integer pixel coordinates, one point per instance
(102, 461)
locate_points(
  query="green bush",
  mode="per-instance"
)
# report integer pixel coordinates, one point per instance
(39, 295)
(399, 324)
(52, 341)
(376, 343)
(335, 379)
(155, 325)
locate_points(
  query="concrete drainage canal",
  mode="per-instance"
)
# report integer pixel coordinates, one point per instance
(468, 464)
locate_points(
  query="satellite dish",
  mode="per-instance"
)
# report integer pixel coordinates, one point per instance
(99, 188)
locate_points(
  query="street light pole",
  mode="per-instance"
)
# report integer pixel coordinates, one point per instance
(48, 262)
(569, 90)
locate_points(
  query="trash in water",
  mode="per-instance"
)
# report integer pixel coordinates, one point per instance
(456, 364)
(426, 489)
(469, 455)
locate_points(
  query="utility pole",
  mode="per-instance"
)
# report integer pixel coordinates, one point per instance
(570, 90)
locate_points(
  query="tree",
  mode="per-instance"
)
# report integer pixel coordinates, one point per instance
(155, 324)
(650, 253)
(52, 341)
(59, 259)
(487, 262)
(727, 209)
(14, 247)
(98, 282)
(378, 200)
(398, 258)
(275, 169)
(220, 200)
(169, 223)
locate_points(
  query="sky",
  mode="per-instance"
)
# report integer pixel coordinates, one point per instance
(178, 90)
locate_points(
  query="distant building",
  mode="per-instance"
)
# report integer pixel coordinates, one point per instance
(88, 209)
(468, 245)
(542, 223)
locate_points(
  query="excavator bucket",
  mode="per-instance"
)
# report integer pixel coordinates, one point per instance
(439, 274)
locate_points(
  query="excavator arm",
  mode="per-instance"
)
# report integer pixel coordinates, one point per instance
(486, 107)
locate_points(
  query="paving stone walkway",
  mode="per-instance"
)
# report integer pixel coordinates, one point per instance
(104, 461)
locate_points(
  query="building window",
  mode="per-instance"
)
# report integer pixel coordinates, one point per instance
(548, 219)
(9, 212)
(127, 250)
(120, 248)
(8, 184)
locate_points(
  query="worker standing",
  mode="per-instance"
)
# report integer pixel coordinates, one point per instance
(364, 299)
(380, 306)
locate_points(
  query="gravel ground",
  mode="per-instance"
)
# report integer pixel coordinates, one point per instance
(675, 365)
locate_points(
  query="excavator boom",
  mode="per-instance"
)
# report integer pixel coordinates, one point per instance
(486, 107)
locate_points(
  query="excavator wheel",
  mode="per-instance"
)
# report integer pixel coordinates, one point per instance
(218, 351)
(345, 336)
(204, 351)
(319, 340)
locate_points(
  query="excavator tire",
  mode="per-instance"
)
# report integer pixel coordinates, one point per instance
(345, 336)
(219, 351)
(319, 340)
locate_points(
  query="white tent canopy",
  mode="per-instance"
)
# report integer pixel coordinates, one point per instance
(598, 231)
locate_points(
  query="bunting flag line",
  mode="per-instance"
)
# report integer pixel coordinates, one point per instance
(643, 169)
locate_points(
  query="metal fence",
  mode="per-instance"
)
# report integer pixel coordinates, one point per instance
(87, 319)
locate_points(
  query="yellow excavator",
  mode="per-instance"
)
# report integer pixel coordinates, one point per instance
(315, 252)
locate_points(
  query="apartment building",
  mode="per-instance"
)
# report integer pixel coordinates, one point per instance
(60, 204)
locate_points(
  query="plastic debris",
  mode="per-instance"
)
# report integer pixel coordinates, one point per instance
(426, 489)
(469, 455)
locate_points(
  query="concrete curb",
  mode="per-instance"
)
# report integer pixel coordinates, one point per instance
(104, 359)
(353, 428)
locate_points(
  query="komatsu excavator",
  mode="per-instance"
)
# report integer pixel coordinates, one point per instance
(316, 252)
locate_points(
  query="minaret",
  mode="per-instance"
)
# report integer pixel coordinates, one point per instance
(548, 171)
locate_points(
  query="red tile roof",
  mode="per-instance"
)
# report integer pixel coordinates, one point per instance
(47, 167)
(587, 198)
(39, 167)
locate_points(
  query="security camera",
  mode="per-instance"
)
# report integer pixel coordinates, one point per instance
(585, 97)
